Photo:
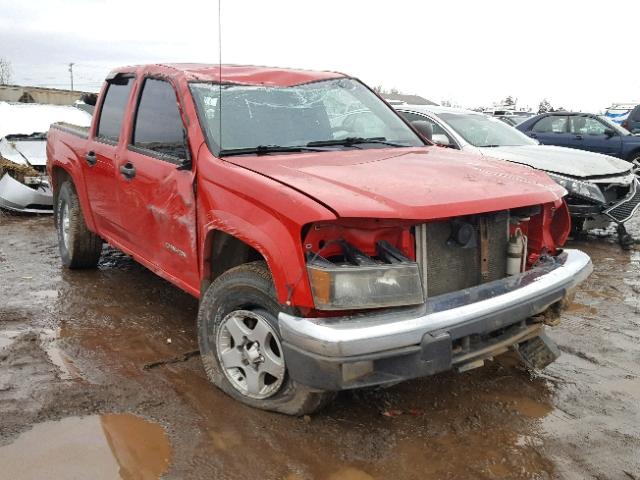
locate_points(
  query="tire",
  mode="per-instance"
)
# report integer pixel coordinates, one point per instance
(79, 247)
(240, 297)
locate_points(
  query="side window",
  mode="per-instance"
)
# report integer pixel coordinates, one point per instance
(113, 108)
(158, 126)
(586, 126)
(551, 124)
(635, 115)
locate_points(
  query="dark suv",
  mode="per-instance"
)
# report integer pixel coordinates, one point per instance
(632, 123)
(586, 131)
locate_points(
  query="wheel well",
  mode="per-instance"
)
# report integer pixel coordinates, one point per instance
(225, 252)
(58, 176)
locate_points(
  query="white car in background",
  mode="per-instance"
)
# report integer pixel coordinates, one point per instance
(602, 189)
(24, 186)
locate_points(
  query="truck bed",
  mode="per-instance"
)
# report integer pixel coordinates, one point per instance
(72, 128)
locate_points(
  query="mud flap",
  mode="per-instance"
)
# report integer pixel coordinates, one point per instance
(538, 352)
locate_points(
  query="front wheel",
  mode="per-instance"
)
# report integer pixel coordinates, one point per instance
(79, 247)
(240, 343)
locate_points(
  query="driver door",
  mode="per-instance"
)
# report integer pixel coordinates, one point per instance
(588, 133)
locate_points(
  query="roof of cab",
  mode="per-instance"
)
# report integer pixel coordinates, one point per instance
(238, 74)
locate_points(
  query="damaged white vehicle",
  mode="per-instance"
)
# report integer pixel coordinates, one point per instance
(24, 186)
(602, 189)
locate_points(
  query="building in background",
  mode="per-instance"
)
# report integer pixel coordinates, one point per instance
(51, 96)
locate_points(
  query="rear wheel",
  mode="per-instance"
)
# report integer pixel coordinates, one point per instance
(79, 247)
(240, 343)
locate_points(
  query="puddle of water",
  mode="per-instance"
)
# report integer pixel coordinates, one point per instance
(350, 473)
(113, 446)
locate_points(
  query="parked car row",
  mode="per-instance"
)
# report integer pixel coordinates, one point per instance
(332, 246)
(625, 114)
(602, 189)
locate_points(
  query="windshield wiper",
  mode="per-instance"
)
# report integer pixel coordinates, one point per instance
(489, 146)
(349, 141)
(267, 149)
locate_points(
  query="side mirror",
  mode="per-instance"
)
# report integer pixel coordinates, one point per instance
(441, 139)
(424, 128)
(609, 132)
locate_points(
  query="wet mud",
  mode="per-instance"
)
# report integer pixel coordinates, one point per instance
(100, 378)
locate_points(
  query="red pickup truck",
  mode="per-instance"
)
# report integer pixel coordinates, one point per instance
(331, 246)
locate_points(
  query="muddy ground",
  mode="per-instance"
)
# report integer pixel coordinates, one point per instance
(99, 378)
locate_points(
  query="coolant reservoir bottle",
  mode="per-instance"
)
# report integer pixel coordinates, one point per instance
(515, 252)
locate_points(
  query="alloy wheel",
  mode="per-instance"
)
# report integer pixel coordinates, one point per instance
(250, 354)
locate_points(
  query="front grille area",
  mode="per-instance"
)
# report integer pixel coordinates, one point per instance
(452, 266)
(625, 210)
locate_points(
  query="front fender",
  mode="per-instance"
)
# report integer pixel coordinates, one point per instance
(275, 243)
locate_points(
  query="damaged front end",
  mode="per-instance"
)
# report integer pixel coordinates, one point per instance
(401, 299)
(24, 186)
(597, 202)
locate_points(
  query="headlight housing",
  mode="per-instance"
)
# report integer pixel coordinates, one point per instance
(371, 284)
(580, 188)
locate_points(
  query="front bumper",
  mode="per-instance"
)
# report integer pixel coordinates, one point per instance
(20, 198)
(451, 329)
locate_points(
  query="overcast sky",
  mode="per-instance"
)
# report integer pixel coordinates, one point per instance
(578, 54)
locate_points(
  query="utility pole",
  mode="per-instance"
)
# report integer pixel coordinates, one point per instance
(71, 74)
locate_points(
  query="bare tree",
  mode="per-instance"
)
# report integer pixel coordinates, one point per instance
(380, 90)
(5, 71)
(509, 101)
(545, 106)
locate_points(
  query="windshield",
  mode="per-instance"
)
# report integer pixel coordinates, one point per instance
(326, 112)
(483, 131)
(614, 126)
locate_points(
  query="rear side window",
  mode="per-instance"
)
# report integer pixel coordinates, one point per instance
(635, 115)
(158, 126)
(113, 108)
(551, 124)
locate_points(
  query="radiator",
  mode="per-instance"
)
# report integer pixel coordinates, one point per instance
(447, 266)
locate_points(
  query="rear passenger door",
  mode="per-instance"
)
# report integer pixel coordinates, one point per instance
(551, 130)
(588, 133)
(100, 159)
(155, 185)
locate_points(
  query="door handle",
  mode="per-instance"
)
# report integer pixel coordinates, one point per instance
(91, 159)
(578, 137)
(128, 170)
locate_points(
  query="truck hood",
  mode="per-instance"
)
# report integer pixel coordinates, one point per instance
(565, 161)
(406, 183)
